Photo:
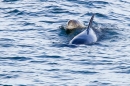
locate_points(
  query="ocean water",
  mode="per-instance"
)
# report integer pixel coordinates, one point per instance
(35, 52)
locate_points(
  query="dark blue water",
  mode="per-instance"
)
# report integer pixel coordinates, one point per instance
(35, 52)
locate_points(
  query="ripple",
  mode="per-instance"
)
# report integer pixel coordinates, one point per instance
(100, 2)
(95, 62)
(101, 15)
(27, 23)
(48, 56)
(43, 0)
(6, 45)
(16, 12)
(6, 39)
(57, 10)
(8, 76)
(122, 69)
(100, 83)
(80, 72)
(10, 0)
(52, 70)
(38, 62)
(6, 42)
(16, 58)
(25, 46)
(63, 45)
(5, 85)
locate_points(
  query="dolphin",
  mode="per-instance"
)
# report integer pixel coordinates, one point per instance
(88, 36)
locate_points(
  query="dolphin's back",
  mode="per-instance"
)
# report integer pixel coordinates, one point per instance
(88, 36)
(84, 37)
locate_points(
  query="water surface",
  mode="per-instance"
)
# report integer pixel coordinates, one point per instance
(35, 52)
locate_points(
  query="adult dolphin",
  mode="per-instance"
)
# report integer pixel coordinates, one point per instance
(88, 36)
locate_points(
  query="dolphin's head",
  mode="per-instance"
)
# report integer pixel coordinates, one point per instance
(74, 24)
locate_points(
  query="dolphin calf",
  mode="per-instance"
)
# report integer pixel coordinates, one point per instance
(88, 36)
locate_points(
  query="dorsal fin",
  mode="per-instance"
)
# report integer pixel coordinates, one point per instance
(90, 23)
